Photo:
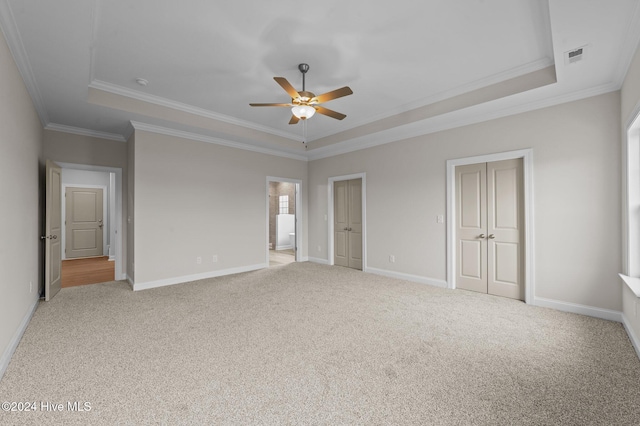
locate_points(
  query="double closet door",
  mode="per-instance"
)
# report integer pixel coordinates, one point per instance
(347, 223)
(489, 228)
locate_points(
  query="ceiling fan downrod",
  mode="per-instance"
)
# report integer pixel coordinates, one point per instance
(303, 69)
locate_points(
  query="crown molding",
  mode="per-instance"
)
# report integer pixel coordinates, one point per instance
(216, 141)
(189, 109)
(483, 112)
(84, 132)
(14, 41)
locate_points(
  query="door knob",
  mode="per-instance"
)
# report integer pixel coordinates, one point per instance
(481, 236)
(349, 229)
(345, 229)
(491, 236)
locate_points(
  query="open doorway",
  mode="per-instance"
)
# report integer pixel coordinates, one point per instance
(91, 210)
(283, 211)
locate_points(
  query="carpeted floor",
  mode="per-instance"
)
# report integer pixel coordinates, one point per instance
(313, 344)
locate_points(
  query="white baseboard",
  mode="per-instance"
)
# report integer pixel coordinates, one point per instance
(318, 260)
(15, 340)
(285, 247)
(635, 340)
(408, 277)
(195, 277)
(303, 259)
(575, 308)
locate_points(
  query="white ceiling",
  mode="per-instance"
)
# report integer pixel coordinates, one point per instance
(207, 60)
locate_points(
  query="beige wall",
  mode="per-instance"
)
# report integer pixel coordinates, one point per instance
(86, 150)
(576, 150)
(21, 172)
(71, 148)
(630, 94)
(198, 199)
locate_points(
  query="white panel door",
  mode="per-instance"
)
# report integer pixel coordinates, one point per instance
(84, 222)
(53, 231)
(504, 227)
(341, 223)
(471, 227)
(347, 223)
(489, 228)
(355, 224)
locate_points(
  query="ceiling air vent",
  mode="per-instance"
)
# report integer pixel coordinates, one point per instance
(575, 55)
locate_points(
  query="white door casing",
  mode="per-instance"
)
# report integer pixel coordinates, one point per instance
(117, 220)
(362, 225)
(489, 224)
(298, 216)
(348, 223)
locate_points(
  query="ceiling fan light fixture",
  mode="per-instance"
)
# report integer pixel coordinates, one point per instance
(303, 111)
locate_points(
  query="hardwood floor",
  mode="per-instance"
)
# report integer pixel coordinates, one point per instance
(89, 270)
(281, 257)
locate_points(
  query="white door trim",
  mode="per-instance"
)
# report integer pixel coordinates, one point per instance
(527, 162)
(120, 271)
(105, 214)
(630, 183)
(330, 250)
(298, 215)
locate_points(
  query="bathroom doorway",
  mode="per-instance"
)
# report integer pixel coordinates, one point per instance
(283, 211)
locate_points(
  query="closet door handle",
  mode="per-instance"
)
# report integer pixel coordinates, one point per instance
(481, 236)
(491, 236)
(345, 229)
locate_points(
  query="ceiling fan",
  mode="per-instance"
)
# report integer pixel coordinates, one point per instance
(304, 104)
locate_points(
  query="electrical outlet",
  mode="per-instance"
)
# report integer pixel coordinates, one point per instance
(392, 258)
(30, 286)
(198, 260)
(440, 218)
(214, 259)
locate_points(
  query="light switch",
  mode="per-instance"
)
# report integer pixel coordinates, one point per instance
(440, 218)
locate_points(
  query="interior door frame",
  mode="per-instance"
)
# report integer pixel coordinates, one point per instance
(297, 217)
(105, 213)
(527, 164)
(330, 248)
(120, 271)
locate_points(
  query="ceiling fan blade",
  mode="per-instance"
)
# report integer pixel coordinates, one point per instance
(294, 119)
(334, 94)
(278, 105)
(330, 113)
(287, 87)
